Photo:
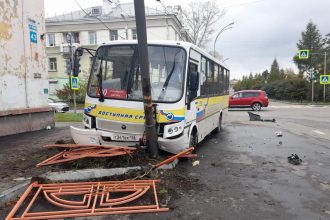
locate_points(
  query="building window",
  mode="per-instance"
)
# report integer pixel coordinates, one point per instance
(75, 37)
(96, 11)
(92, 37)
(113, 34)
(134, 35)
(52, 64)
(51, 40)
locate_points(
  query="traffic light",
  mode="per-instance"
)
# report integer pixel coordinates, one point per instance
(76, 66)
(68, 66)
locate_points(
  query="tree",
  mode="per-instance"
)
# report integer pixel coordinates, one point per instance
(275, 73)
(327, 49)
(199, 17)
(312, 40)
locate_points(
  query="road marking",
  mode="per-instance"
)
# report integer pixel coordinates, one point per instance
(319, 132)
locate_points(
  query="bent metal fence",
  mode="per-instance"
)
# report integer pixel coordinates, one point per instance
(81, 199)
(75, 152)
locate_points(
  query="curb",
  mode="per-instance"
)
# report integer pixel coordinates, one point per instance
(85, 174)
(13, 193)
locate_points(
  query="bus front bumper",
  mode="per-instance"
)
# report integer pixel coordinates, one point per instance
(93, 136)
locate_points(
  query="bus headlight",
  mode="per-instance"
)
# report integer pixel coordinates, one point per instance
(173, 129)
(87, 121)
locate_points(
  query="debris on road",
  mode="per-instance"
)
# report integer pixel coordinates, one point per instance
(294, 159)
(174, 157)
(82, 199)
(195, 163)
(75, 152)
(279, 134)
(256, 117)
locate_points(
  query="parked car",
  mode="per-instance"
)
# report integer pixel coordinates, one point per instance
(58, 106)
(255, 99)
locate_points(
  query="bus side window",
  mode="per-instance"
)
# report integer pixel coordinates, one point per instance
(203, 71)
(221, 80)
(216, 88)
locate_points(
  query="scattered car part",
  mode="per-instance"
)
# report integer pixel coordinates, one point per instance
(294, 159)
(174, 157)
(256, 117)
(82, 199)
(279, 134)
(78, 152)
(195, 163)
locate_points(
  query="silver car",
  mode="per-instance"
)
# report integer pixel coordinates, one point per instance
(58, 106)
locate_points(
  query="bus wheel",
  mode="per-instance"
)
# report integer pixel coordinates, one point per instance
(218, 129)
(193, 140)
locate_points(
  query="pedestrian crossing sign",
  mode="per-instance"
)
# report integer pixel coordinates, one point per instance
(303, 54)
(324, 79)
(74, 83)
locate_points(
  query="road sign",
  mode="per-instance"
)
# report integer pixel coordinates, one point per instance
(324, 79)
(33, 37)
(303, 54)
(74, 83)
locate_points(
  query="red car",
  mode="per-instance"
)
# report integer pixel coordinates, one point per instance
(255, 99)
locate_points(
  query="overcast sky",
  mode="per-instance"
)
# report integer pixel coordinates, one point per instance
(263, 29)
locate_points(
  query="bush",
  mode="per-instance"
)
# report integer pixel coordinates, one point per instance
(289, 89)
(66, 94)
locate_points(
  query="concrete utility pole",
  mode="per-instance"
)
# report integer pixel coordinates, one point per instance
(150, 124)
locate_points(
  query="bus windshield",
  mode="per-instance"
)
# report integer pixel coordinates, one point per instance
(116, 72)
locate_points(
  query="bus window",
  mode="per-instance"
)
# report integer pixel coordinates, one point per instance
(210, 73)
(221, 80)
(118, 66)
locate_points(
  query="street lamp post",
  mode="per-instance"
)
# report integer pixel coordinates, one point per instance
(228, 26)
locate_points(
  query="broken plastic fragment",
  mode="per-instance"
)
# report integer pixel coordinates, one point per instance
(195, 163)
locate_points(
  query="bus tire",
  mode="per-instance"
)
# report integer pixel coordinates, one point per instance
(218, 129)
(193, 139)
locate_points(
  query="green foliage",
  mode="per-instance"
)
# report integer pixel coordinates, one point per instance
(68, 117)
(275, 73)
(312, 40)
(278, 84)
(289, 89)
(66, 94)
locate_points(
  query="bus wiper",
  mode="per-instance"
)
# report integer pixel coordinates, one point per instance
(163, 91)
(99, 75)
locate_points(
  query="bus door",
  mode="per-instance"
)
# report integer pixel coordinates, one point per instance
(192, 92)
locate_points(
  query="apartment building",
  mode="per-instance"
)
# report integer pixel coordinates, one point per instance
(93, 26)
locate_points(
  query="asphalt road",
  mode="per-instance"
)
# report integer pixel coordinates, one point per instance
(244, 172)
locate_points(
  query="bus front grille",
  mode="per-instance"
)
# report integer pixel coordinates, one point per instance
(119, 127)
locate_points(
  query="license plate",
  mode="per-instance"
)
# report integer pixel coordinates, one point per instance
(122, 137)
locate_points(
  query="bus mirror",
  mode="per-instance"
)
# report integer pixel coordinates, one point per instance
(193, 81)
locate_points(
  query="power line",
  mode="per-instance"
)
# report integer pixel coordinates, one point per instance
(95, 17)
